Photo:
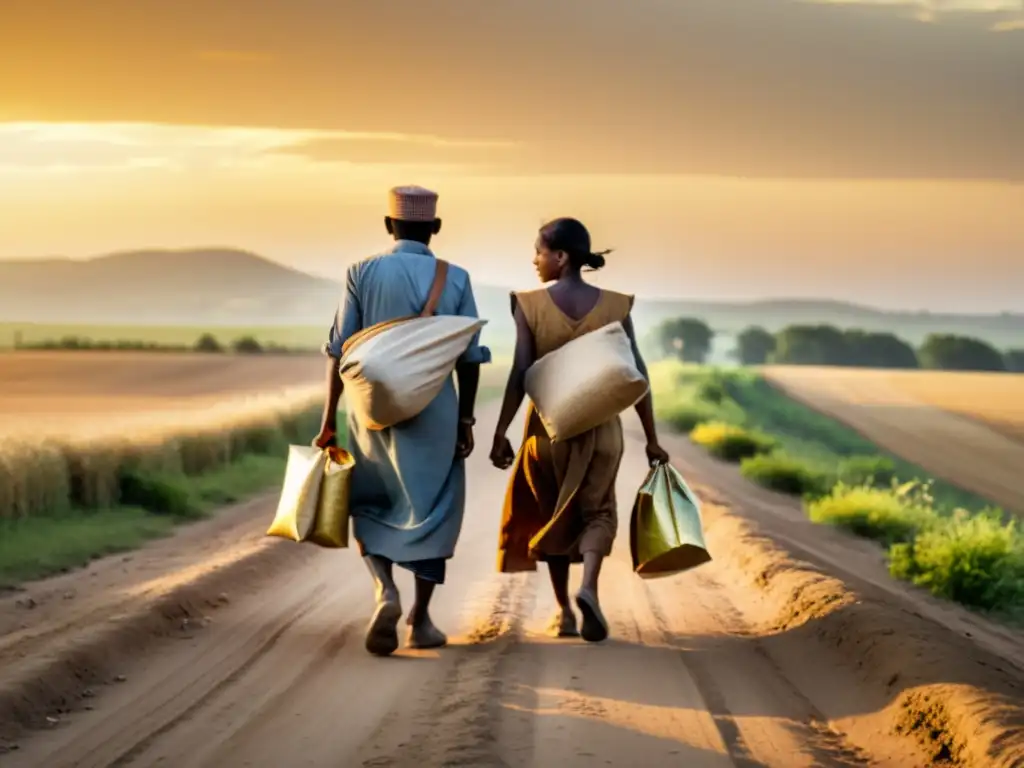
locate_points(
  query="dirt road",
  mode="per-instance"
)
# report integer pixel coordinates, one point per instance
(279, 677)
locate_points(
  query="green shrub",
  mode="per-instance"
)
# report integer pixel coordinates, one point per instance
(889, 516)
(712, 389)
(877, 471)
(784, 474)
(730, 442)
(977, 560)
(164, 494)
(685, 418)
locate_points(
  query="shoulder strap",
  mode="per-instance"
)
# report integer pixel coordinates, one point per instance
(440, 278)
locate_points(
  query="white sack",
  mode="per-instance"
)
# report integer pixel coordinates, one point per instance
(393, 375)
(585, 383)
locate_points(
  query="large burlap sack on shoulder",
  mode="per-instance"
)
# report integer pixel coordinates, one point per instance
(589, 381)
(393, 372)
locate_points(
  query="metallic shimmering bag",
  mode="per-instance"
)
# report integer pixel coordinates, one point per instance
(296, 509)
(666, 536)
(330, 527)
(314, 500)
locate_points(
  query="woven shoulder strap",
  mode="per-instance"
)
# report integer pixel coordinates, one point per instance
(440, 278)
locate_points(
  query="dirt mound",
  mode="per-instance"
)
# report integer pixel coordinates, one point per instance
(959, 702)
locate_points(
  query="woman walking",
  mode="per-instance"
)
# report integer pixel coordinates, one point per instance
(560, 507)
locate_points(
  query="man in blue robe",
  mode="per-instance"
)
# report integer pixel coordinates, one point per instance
(408, 489)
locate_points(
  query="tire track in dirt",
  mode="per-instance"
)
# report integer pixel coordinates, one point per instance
(216, 684)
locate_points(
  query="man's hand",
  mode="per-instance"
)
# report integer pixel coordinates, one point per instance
(502, 453)
(326, 438)
(464, 442)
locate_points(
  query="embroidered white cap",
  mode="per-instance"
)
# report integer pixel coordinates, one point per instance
(412, 204)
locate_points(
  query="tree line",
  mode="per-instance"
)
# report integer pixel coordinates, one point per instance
(690, 339)
(207, 343)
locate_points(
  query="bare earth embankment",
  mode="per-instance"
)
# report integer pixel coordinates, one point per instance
(793, 648)
(965, 428)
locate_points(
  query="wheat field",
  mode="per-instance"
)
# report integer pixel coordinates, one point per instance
(72, 424)
(967, 428)
(65, 394)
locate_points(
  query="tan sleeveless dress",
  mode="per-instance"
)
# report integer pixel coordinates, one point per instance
(561, 497)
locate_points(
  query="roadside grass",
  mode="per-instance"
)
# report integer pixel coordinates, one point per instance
(938, 536)
(784, 474)
(976, 559)
(821, 443)
(889, 516)
(42, 546)
(973, 559)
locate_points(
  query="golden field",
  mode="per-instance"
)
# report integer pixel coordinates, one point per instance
(86, 393)
(72, 424)
(967, 428)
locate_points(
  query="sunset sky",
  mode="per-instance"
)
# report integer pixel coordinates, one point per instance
(728, 149)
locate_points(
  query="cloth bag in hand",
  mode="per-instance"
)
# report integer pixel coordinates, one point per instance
(393, 370)
(314, 503)
(666, 533)
(586, 382)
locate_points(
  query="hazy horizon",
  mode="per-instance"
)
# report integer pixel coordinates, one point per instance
(595, 277)
(729, 150)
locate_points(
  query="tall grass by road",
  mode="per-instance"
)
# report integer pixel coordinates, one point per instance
(940, 537)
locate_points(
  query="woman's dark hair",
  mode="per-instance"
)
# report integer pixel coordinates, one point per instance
(571, 236)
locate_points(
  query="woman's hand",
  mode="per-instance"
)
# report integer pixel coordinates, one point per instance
(656, 454)
(502, 454)
(326, 438)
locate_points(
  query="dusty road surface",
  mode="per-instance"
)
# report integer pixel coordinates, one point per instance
(699, 670)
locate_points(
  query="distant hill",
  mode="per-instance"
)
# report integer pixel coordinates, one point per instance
(226, 287)
(193, 287)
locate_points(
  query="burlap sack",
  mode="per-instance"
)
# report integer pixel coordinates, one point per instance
(392, 374)
(587, 382)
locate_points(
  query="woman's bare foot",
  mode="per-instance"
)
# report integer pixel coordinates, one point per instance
(425, 636)
(595, 627)
(563, 623)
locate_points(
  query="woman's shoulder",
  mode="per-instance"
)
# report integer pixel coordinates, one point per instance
(527, 300)
(621, 303)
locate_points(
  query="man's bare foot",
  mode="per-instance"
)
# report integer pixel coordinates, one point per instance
(563, 623)
(425, 636)
(382, 634)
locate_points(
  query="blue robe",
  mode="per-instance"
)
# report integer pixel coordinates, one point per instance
(408, 490)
